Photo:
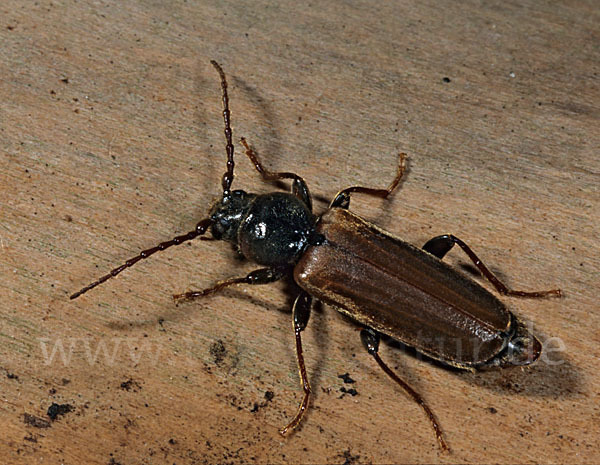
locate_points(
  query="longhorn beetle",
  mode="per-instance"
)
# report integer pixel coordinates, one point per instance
(386, 285)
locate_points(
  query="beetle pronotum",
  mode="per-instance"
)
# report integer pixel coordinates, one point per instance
(383, 283)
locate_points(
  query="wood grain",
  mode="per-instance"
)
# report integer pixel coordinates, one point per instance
(111, 141)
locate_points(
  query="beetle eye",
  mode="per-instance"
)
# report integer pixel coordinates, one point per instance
(239, 193)
(218, 229)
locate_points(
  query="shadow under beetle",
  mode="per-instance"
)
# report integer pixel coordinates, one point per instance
(383, 283)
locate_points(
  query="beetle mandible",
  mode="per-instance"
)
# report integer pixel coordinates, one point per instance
(386, 285)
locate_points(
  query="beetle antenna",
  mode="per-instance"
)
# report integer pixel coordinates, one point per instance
(228, 176)
(201, 228)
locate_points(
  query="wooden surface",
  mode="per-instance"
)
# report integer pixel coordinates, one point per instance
(111, 141)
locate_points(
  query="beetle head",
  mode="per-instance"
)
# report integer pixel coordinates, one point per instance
(227, 214)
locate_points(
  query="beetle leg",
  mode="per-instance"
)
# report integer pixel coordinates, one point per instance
(370, 339)
(299, 186)
(301, 314)
(440, 245)
(342, 198)
(260, 276)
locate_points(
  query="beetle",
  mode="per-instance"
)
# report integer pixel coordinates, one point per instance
(383, 283)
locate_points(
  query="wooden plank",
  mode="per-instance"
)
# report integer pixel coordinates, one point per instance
(111, 141)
